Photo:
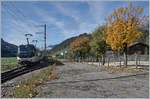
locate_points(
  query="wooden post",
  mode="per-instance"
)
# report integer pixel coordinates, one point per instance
(98, 61)
(120, 60)
(139, 59)
(136, 60)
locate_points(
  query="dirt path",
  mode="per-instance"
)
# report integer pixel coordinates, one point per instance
(83, 80)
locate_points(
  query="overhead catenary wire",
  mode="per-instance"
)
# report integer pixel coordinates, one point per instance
(17, 15)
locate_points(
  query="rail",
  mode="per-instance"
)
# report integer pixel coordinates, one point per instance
(8, 75)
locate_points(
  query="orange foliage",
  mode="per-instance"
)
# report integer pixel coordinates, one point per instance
(122, 26)
(80, 45)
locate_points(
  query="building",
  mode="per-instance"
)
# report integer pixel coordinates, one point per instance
(139, 48)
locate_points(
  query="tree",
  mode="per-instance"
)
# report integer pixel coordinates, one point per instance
(80, 47)
(98, 43)
(123, 28)
(145, 29)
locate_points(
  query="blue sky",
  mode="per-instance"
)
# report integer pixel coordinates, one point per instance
(64, 19)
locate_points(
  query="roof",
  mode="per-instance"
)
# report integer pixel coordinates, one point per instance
(136, 43)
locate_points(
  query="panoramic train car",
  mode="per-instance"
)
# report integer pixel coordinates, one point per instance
(29, 54)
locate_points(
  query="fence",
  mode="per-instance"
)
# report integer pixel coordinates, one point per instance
(118, 60)
(133, 60)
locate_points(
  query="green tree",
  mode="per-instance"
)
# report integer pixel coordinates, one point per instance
(98, 43)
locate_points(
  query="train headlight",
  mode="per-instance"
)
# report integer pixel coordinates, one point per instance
(18, 58)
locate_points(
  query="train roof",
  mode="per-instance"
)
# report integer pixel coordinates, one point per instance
(30, 45)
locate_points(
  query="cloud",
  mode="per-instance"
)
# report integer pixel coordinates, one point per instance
(66, 11)
(98, 11)
(72, 24)
(83, 25)
(67, 19)
(46, 18)
(16, 30)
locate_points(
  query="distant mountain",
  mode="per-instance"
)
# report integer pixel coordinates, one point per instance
(65, 44)
(7, 49)
(51, 46)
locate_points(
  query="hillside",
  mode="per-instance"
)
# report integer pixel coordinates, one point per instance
(7, 49)
(65, 44)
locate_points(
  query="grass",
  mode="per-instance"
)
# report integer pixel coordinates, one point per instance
(27, 88)
(8, 63)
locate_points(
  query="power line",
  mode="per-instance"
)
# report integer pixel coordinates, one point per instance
(19, 12)
(44, 35)
(12, 14)
(17, 15)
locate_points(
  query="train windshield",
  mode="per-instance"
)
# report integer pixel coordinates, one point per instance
(26, 51)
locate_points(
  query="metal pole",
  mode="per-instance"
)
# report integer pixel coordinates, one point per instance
(45, 35)
(28, 37)
(28, 41)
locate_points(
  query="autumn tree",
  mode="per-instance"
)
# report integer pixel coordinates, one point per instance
(98, 43)
(80, 47)
(123, 28)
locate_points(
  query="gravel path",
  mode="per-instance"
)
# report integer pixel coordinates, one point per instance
(86, 81)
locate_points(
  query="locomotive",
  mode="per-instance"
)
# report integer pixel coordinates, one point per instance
(29, 54)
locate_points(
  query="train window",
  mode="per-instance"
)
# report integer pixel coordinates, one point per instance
(26, 51)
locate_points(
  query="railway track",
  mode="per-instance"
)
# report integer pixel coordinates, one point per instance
(8, 75)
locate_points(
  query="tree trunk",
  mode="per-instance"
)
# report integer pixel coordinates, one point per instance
(125, 59)
(99, 61)
(92, 60)
(82, 59)
(79, 59)
(108, 61)
(103, 59)
(97, 58)
(125, 54)
(120, 60)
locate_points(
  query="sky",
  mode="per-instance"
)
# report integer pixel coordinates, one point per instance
(64, 19)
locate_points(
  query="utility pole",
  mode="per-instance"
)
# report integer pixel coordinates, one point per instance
(27, 37)
(44, 35)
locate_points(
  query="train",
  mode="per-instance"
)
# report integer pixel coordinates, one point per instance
(29, 54)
